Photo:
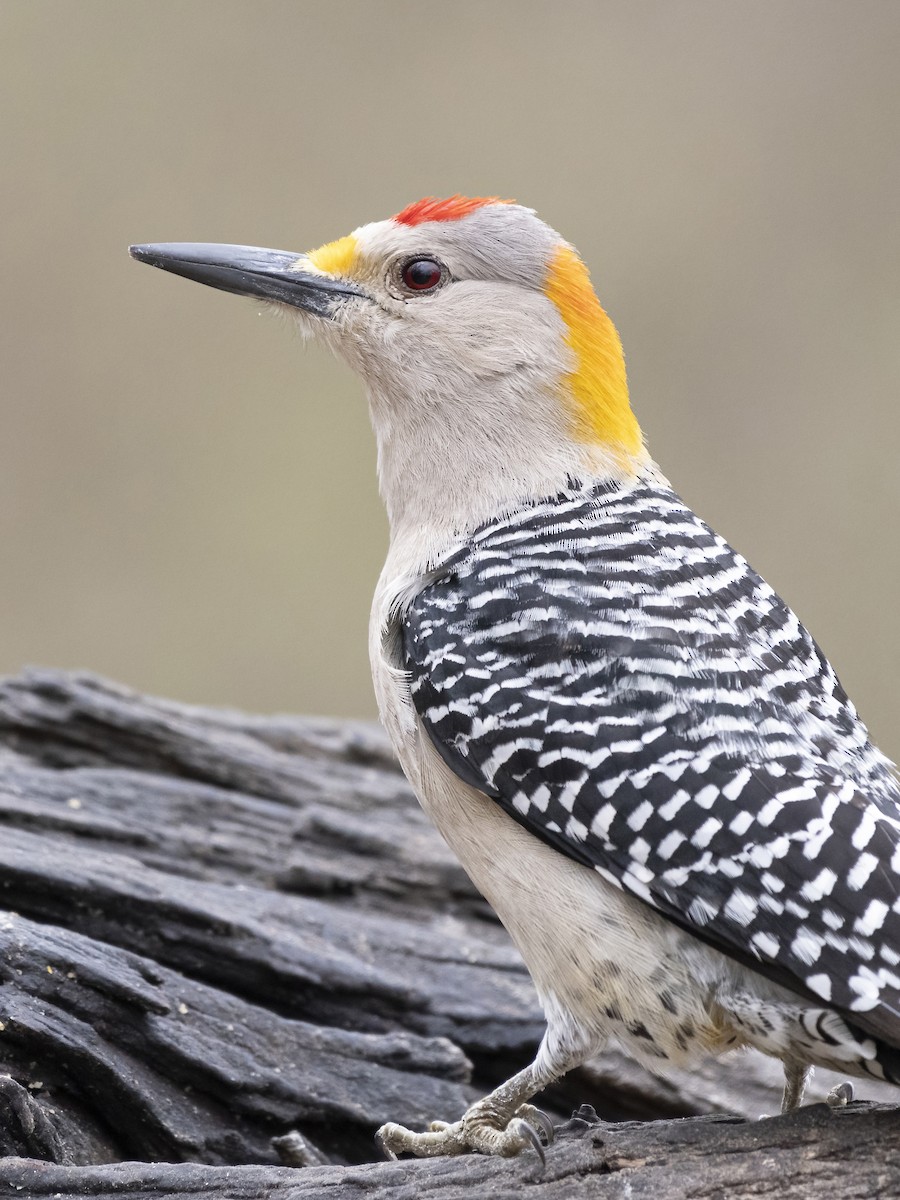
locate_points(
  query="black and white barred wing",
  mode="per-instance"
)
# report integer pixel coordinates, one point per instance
(619, 680)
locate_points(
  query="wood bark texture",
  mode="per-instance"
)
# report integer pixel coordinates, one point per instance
(217, 930)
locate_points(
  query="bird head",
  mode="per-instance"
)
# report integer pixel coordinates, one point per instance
(494, 375)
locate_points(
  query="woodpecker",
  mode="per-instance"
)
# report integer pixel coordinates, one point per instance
(637, 752)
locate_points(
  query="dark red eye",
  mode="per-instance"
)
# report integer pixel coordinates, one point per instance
(422, 274)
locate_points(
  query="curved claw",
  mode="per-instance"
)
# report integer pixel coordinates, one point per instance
(539, 1118)
(535, 1138)
(546, 1127)
(840, 1094)
(384, 1148)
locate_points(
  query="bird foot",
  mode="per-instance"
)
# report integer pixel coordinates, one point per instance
(482, 1129)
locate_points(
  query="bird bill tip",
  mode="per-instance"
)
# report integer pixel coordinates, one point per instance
(148, 253)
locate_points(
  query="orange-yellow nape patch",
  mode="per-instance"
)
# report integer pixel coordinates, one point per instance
(598, 389)
(336, 258)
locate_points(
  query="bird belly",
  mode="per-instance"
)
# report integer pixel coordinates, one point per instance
(603, 963)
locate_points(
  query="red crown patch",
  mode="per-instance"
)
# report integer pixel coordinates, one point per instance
(451, 209)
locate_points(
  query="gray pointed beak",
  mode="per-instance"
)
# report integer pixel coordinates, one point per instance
(250, 271)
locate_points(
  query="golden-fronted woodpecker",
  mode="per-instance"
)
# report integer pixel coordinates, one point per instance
(637, 752)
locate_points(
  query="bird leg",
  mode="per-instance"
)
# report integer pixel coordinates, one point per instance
(796, 1077)
(502, 1123)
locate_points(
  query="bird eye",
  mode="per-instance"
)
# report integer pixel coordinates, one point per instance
(422, 274)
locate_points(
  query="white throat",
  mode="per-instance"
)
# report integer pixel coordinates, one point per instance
(471, 428)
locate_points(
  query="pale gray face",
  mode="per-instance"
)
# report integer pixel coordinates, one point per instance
(391, 295)
(458, 331)
(459, 300)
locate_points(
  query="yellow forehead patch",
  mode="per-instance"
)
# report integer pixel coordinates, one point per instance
(597, 388)
(336, 258)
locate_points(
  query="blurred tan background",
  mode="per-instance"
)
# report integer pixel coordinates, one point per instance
(187, 496)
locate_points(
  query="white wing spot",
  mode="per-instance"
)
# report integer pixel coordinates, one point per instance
(819, 887)
(863, 868)
(807, 947)
(670, 843)
(820, 984)
(767, 945)
(740, 908)
(640, 816)
(872, 919)
(700, 911)
(706, 833)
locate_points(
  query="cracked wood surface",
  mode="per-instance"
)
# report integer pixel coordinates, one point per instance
(215, 928)
(852, 1154)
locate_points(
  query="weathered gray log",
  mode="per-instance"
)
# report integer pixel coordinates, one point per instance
(217, 928)
(853, 1154)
